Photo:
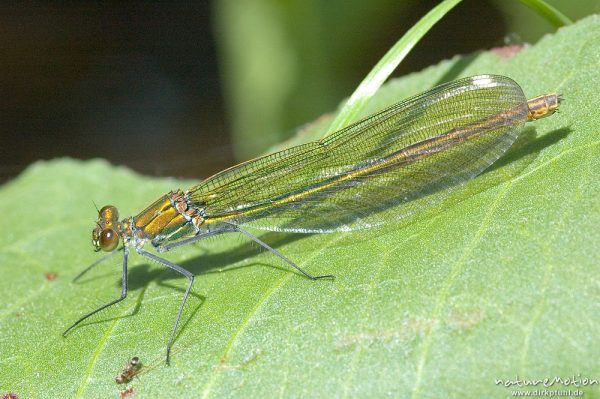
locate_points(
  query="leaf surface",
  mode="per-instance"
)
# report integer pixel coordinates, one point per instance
(500, 280)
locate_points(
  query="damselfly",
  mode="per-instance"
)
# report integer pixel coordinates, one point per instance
(395, 159)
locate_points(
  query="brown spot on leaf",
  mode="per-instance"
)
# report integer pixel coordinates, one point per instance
(462, 320)
(127, 393)
(51, 276)
(507, 52)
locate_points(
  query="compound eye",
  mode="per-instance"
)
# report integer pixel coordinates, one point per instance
(109, 239)
(109, 213)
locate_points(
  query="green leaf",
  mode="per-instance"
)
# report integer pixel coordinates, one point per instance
(500, 280)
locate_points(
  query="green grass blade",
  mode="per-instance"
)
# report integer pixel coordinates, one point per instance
(388, 64)
(551, 14)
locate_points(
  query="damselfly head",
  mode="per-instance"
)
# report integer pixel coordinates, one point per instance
(105, 235)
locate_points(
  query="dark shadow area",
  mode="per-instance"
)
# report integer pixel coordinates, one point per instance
(139, 300)
(101, 320)
(139, 83)
(141, 275)
(529, 144)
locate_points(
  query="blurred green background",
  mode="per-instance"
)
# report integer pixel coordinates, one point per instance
(186, 89)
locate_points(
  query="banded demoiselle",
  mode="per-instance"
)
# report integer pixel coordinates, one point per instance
(394, 159)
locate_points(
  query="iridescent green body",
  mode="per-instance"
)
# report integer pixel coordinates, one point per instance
(381, 168)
